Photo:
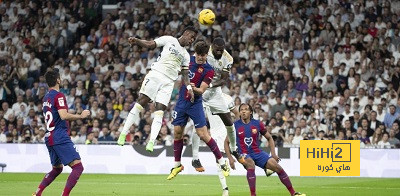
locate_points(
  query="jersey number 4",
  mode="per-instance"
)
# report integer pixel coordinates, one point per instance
(48, 118)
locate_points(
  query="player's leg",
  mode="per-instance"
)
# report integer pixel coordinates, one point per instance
(195, 152)
(274, 166)
(230, 130)
(156, 125)
(178, 146)
(205, 136)
(251, 175)
(133, 117)
(69, 156)
(162, 97)
(77, 169)
(49, 177)
(148, 91)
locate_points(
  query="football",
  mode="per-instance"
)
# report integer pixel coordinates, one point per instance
(206, 17)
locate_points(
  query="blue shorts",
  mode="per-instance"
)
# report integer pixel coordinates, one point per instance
(260, 159)
(63, 153)
(185, 110)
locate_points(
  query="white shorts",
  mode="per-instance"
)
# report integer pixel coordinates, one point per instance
(214, 99)
(158, 87)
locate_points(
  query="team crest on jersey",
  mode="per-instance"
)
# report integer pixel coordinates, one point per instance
(220, 63)
(254, 131)
(248, 141)
(200, 70)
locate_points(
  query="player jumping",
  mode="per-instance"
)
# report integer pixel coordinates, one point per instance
(61, 149)
(221, 61)
(247, 132)
(201, 74)
(159, 82)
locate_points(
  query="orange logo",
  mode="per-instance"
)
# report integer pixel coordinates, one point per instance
(200, 70)
(254, 131)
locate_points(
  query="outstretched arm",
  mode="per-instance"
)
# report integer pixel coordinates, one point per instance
(142, 43)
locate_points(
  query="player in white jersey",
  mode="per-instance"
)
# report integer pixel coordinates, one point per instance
(159, 82)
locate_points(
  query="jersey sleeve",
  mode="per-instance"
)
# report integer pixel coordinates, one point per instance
(208, 77)
(60, 102)
(263, 131)
(229, 61)
(163, 40)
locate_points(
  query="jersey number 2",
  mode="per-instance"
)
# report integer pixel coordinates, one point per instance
(48, 118)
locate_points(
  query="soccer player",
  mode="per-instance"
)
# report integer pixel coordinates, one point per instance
(221, 61)
(201, 74)
(159, 82)
(61, 149)
(247, 132)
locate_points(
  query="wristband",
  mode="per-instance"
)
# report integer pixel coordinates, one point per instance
(189, 87)
(211, 85)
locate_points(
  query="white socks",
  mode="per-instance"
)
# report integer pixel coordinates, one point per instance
(195, 145)
(133, 118)
(231, 133)
(156, 125)
(222, 178)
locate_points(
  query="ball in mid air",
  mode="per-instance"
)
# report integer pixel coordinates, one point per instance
(206, 17)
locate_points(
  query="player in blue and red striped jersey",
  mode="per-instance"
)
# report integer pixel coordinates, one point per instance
(61, 149)
(200, 74)
(248, 131)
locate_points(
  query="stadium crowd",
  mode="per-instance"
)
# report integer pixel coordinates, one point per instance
(311, 69)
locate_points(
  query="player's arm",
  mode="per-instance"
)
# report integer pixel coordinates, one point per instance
(201, 90)
(204, 84)
(271, 143)
(142, 43)
(68, 116)
(186, 82)
(228, 153)
(223, 80)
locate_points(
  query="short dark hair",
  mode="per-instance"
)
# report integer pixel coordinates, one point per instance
(201, 48)
(190, 28)
(51, 77)
(219, 41)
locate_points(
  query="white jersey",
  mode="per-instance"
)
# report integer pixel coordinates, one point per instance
(173, 57)
(220, 65)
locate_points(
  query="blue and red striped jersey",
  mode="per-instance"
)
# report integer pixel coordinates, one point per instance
(247, 136)
(197, 74)
(57, 129)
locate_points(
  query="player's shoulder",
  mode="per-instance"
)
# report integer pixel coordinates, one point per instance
(255, 121)
(167, 37)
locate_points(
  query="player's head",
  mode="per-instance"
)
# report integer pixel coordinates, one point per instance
(246, 111)
(52, 77)
(218, 47)
(201, 51)
(188, 36)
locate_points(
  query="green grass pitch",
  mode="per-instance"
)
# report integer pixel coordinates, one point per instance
(105, 184)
